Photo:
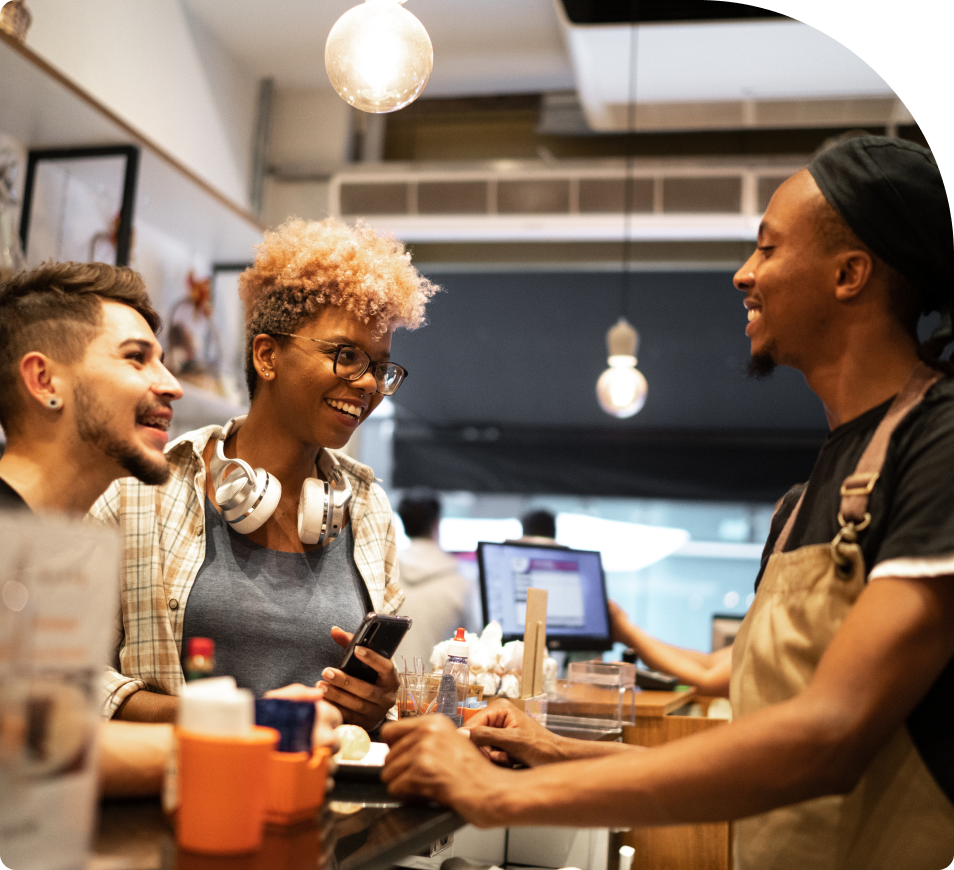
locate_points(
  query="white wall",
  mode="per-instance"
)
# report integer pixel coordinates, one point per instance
(310, 138)
(163, 73)
(310, 133)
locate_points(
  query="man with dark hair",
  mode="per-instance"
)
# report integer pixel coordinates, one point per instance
(420, 512)
(539, 526)
(85, 399)
(84, 396)
(436, 597)
(841, 752)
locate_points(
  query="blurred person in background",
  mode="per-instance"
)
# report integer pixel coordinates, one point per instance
(539, 527)
(708, 672)
(436, 596)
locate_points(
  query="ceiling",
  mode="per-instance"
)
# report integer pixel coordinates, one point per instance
(486, 47)
(501, 397)
(480, 46)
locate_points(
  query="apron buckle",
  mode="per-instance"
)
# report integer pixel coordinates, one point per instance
(848, 534)
(859, 483)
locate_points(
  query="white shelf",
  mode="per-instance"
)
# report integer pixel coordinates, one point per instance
(42, 108)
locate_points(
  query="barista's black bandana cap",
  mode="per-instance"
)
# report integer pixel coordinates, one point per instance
(890, 193)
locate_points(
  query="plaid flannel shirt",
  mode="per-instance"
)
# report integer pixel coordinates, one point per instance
(163, 532)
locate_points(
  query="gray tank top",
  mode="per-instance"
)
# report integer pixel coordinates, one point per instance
(270, 613)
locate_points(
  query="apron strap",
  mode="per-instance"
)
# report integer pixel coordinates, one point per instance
(782, 539)
(857, 487)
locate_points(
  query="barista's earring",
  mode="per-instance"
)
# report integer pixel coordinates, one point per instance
(264, 373)
(54, 403)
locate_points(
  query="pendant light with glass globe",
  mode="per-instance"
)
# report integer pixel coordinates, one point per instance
(378, 56)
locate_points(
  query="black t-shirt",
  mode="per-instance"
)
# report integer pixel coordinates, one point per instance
(9, 498)
(912, 517)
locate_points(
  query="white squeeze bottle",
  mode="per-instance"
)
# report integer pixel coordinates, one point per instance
(452, 694)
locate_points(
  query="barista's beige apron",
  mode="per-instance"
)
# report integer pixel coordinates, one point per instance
(897, 816)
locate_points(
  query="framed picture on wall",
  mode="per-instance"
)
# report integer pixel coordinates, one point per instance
(78, 204)
(229, 314)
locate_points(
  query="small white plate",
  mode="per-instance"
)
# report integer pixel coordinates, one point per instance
(374, 758)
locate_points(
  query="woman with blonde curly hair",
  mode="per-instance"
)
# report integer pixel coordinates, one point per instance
(266, 539)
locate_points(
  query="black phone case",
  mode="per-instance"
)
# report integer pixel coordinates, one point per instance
(380, 633)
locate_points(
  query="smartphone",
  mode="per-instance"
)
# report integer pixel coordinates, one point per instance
(379, 633)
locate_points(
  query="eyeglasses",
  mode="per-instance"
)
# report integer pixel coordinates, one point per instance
(352, 362)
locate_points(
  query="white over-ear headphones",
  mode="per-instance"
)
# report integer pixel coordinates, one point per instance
(248, 498)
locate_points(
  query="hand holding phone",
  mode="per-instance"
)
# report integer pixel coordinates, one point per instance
(381, 634)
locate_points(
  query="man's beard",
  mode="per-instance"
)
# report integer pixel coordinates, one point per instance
(92, 425)
(761, 365)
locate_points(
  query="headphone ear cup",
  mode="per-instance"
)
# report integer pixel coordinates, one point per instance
(311, 510)
(233, 489)
(321, 511)
(338, 504)
(255, 510)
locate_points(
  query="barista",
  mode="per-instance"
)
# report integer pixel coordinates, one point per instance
(841, 752)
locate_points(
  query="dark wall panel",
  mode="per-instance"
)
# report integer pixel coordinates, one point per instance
(726, 466)
(526, 349)
(501, 394)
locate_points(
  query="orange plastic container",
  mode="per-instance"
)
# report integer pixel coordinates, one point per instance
(296, 785)
(468, 712)
(222, 790)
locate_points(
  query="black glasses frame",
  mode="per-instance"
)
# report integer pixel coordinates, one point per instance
(375, 367)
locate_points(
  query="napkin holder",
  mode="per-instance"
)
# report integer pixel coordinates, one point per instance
(296, 785)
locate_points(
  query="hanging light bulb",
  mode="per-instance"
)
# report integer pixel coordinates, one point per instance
(621, 389)
(378, 56)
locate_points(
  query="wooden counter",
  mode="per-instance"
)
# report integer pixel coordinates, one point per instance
(680, 847)
(655, 704)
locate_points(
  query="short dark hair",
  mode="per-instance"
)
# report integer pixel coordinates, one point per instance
(57, 309)
(905, 300)
(419, 510)
(539, 524)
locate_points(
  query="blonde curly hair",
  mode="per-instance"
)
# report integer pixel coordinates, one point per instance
(305, 265)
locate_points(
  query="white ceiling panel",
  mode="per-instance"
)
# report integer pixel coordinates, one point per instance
(712, 61)
(484, 47)
(480, 46)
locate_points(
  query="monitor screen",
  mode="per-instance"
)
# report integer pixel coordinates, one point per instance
(577, 615)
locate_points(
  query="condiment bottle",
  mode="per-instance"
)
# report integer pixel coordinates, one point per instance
(198, 664)
(200, 659)
(455, 679)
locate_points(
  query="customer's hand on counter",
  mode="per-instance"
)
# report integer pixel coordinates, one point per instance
(133, 758)
(508, 736)
(429, 758)
(361, 703)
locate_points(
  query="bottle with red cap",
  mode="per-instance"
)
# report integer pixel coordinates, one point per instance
(199, 663)
(455, 679)
(200, 659)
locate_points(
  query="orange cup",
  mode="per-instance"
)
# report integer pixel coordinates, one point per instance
(468, 712)
(296, 785)
(222, 790)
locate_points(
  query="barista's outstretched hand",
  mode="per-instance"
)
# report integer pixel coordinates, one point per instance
(430, 759)
(508, 736)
